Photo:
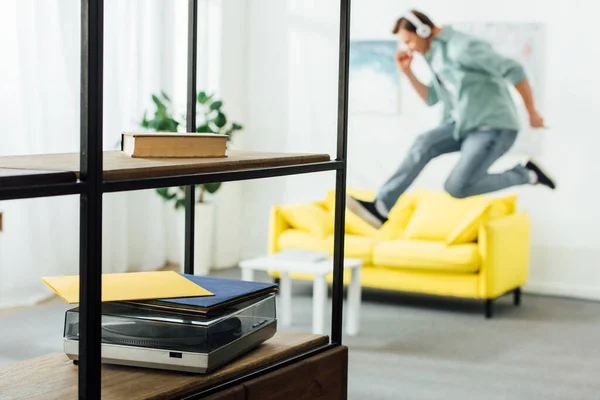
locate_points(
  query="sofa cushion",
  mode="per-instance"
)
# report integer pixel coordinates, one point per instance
(393, 228)
(299, 239)
(427, 255)
(441, 217)
(309, 217)
(437, 214)
(354, 224)
(398, 218)
(354, 246)
(468, 229)
(360, 247)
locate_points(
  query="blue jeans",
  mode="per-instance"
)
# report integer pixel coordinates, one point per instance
(479, 150)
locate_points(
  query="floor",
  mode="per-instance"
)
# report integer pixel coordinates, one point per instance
(417, 347)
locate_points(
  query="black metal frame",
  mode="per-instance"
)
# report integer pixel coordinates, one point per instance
(91, 187)
(190, 193)
(220, 176)
(50, 190)
(90, 241)
(340, 192)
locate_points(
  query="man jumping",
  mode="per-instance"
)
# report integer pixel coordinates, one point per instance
(480, 118)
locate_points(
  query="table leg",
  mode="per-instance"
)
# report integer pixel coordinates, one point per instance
(285, 291)
(354, 300)
(247, 274)
(319, 304)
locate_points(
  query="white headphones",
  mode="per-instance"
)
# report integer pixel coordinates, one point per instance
(423, 30)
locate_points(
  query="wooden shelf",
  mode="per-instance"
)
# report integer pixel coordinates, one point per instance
(55, 376)
(118, 166)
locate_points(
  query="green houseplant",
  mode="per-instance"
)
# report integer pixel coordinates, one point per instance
(213, 120)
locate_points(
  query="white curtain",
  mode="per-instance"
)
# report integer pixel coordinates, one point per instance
(39, 99)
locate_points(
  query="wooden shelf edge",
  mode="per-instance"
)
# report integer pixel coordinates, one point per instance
(118, 166)
(55, 377)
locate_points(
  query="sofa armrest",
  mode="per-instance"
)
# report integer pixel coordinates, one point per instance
(504, 246)
(277, 225)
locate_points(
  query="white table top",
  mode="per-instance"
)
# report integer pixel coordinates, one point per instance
(270, 263)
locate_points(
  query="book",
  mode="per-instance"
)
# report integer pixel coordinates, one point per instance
(227, 292)
(130, 286)
(173, 145)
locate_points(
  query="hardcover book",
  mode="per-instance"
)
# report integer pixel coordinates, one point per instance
(173, 145)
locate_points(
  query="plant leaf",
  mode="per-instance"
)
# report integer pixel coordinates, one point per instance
(203, 97)
(157, 101)
(179, 203)
(154, 124)
(212, 187)
(220, 120)
(144, 122)
(171, 125)
(236, 127)
(161, 112)
(216, 105)
(204, 128)
(164, 193)
(164, 95)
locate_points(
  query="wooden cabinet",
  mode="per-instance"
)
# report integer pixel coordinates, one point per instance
(320, 377)
(236, 393)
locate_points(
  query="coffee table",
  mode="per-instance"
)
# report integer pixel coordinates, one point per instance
(319, 269)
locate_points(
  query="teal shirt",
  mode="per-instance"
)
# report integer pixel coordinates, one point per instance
(474, 83)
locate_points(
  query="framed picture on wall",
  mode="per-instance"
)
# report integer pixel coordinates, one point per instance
(374, 81)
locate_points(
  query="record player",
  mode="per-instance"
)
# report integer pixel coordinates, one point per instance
(136, 336)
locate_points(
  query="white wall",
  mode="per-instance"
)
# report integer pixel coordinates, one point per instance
(228, 238)
(267, 73)
(41, 110)
(292, 99)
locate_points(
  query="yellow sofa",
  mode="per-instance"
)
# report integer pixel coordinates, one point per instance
(475, 248)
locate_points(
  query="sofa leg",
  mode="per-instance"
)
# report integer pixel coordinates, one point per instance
(489, 308)
(517, 297)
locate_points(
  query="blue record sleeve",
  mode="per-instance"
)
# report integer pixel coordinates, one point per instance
(225, 290)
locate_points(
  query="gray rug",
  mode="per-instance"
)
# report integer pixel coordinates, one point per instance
(416, 347)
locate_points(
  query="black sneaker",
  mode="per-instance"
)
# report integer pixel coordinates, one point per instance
(366, 210)
(542, 177)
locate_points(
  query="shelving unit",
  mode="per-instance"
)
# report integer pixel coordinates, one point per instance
(92, 172)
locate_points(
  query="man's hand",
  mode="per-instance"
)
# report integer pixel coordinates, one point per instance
(403, 60)
(536, 120)
(524, 89)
